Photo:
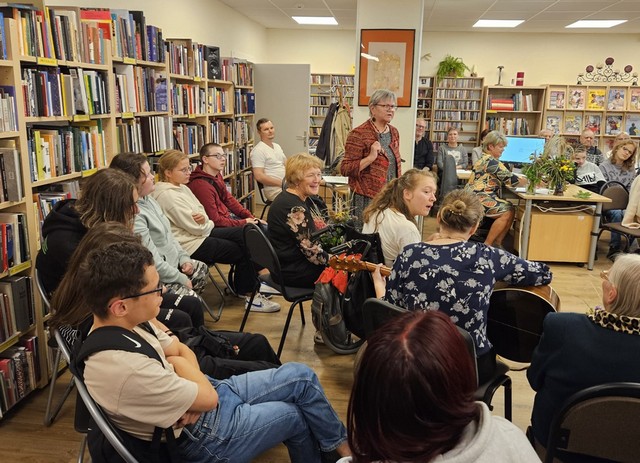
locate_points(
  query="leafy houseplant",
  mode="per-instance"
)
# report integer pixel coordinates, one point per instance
(451, 66)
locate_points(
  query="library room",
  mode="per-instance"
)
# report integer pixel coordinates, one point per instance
(251, 205)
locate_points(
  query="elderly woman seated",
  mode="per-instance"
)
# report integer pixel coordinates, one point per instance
(412, 400)
(292, 218)
(488, 177)
(578, 351)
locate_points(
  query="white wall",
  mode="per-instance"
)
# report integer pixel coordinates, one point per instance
(545, 58)
(209, 22)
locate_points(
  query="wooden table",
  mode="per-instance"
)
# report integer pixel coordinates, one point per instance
(568, 197)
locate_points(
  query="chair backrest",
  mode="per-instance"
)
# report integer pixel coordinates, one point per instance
(601, 421)
(94, 410)
(618, 195)
(471, 348)
(515, 318)
(376, 312)
(41, 290)
(263, 198)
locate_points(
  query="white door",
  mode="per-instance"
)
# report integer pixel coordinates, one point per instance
(282, 96)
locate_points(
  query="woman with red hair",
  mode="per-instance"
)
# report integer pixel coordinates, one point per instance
(412, 400)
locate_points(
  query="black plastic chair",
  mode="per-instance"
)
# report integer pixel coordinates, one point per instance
(600, 423)
(619, 196)
(377, 312)
(263, 198)
(263, 255)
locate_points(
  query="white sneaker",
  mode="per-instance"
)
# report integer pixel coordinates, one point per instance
(267, 290)
(260, 304)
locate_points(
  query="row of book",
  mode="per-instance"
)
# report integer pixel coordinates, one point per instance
(11, 188)
(188, 99)
(3, 39)
(17, 309)
(244, 131)
(458, 104)
(458, 94)
(14, 240)
(237, 71)
(56, 151)
(51, 92)
(457, 115)
(140, 89)
(508, 126)
(221, 131)
(244, 185)
(320, 100)
(19, 370)
(243, 159)
(189, 137)
(517, 102)
(8, 111)
(245, 102)
(133, 38)
(218, 101)
(186, 57)
(156, 133)
(342, 80)
(48, 196)
(319, 110)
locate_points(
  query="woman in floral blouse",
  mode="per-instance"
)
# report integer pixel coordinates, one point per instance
(489, 175)
(450, 274)
(291, 223)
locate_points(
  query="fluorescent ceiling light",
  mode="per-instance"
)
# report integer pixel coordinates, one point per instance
(597, 23)
(498, 22)
(368, 56)
(322, 20)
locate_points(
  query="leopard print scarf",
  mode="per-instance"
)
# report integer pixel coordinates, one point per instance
(615, 322)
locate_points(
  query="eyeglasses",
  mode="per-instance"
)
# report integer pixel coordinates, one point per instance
(388, 107)
(186, 170)
(604, 274)
(158, 290)
(421, 126)
(217, 156)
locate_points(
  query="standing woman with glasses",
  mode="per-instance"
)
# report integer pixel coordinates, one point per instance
(372, 152)
(196, 233)
(208, 186)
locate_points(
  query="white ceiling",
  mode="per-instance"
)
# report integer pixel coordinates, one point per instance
(454, 15)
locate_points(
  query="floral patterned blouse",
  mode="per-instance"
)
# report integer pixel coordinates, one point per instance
(290, 225)
(489, 174)
(458, 279)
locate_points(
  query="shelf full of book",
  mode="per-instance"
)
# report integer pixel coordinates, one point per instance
(514, 111)
(326, 89)
(457, 103)
(607, 110)
(425, 100)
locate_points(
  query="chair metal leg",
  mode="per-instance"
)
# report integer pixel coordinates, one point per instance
(286, 329)
(302, 313)
(83, 446)
(507, 400)
(247, 309)
(214, 316)
(264, 210)
(50, 414)
(226, 282)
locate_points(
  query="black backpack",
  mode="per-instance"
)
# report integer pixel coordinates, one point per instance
(113, 338)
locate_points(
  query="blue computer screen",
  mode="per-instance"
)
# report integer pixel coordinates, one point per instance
(519, 150)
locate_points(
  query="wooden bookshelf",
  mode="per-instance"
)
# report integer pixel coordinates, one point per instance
(324, 90)
(457, 102)
(514, 111)
(425, 100)
(606, 109)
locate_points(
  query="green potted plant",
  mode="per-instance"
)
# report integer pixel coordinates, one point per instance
(451, 66)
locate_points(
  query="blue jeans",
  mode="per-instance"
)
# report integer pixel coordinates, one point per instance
(614, 215)
(258, 410)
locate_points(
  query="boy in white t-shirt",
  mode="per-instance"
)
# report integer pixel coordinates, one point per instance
(268, 160)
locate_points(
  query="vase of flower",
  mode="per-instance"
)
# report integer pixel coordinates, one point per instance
(558, 188)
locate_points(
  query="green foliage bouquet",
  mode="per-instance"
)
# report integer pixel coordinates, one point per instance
(553, 166)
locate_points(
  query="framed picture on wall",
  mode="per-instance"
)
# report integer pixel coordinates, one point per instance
(386, 61)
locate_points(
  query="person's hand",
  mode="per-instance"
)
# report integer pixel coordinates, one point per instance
(379, 282)
(252, 220)
(187, 268)
(187, 419)
(189, 284)
(376, 148)
(199, 218)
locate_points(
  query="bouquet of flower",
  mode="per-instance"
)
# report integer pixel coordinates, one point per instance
(340, 217)
(553, 167)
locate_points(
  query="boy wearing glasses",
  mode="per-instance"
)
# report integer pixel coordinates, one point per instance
(231, 420)
(208, 186)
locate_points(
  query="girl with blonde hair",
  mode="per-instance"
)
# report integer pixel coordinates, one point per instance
(392, 212)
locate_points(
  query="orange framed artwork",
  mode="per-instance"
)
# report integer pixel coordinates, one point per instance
(386, 61)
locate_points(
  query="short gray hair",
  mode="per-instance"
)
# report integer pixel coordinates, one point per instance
(624, 276)
(493, 138)
(380, 95)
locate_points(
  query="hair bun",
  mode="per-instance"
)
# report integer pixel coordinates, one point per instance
(458, 207)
